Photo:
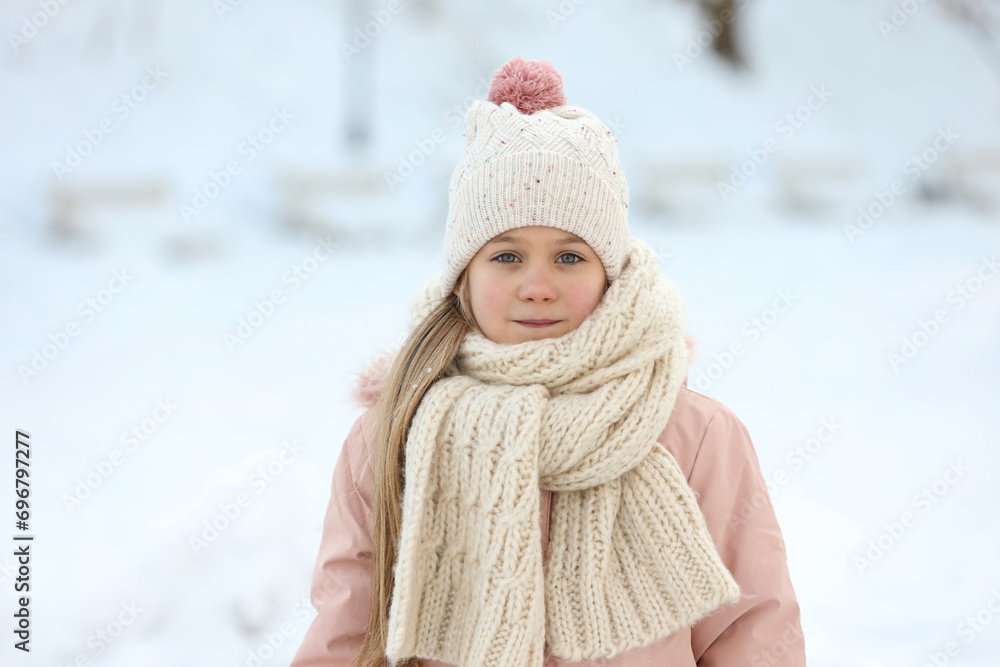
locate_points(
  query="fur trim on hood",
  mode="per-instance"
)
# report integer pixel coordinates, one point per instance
(369, 383)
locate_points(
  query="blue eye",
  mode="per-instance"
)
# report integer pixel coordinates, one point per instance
(565, 254)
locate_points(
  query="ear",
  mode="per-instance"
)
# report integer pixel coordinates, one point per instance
(691, 344)
(692, 355)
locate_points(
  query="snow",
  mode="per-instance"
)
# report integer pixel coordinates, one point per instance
(817, 310)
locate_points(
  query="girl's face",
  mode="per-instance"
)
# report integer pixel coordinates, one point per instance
(534, 274)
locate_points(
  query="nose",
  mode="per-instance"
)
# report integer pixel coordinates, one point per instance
(538, 286)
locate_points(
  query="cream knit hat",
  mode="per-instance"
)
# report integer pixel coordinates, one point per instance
(533, 160)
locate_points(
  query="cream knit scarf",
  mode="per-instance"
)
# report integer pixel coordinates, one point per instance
(630, 558)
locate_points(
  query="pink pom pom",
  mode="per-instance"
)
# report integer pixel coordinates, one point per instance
(530, 85)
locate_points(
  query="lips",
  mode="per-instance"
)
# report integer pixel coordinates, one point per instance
(537, 323)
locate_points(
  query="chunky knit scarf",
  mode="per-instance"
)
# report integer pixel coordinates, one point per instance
(630, 558)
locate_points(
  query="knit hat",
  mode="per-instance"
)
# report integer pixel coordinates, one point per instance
(531, 159)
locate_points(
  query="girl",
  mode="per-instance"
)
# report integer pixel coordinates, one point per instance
(532, 483)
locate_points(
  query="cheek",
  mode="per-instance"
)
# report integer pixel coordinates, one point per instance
(492, 299)
(583, 298)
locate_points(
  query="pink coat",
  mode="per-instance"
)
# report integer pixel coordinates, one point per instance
(714, 450)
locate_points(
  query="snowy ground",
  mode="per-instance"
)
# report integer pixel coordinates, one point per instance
(155, 358)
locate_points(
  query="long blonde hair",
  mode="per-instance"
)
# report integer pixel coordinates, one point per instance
(427, 352)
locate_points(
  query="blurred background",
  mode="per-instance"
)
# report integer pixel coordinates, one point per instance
(214, 214)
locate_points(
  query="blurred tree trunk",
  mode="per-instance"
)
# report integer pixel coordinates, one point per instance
(722, 15)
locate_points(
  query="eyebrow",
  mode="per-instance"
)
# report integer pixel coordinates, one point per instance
(517, 239)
